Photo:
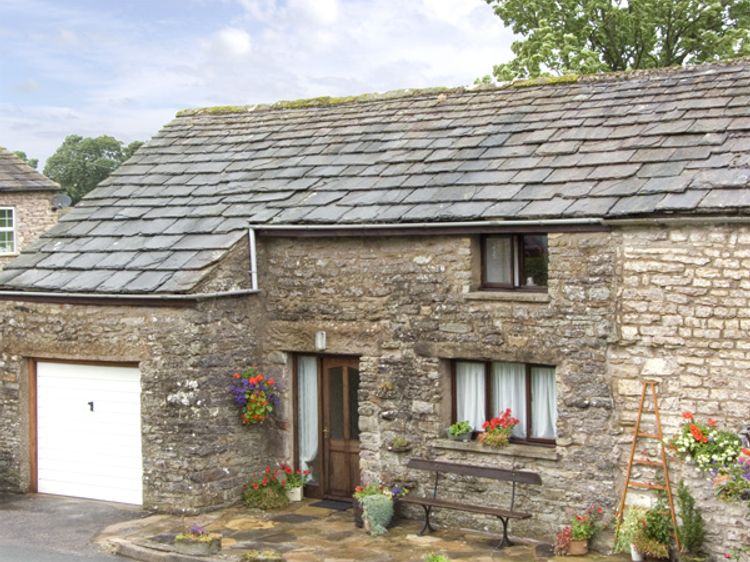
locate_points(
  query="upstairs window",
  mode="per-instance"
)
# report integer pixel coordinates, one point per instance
(482, 390)
(517, 261)
(7, 231)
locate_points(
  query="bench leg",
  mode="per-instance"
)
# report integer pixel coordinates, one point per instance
(427, 525)
(505, 541)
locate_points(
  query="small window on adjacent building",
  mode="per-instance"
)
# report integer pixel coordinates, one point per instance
(517, 261)
(484, 389)
(7, 231)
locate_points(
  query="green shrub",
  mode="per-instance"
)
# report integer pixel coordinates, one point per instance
(378, 512)
(433, 557)
(691, 531)
(631, 526)
(265, 498)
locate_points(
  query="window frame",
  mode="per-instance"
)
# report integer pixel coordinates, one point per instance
(516, 258)
(12, 229)
(537, 441)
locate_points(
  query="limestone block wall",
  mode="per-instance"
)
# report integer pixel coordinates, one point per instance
(196, 454)
(683, 316)
(407, 306)
(33, 213)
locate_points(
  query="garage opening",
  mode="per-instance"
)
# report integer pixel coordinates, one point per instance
(88, 431)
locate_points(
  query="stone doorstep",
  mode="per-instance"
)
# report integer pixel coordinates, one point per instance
(150, 551)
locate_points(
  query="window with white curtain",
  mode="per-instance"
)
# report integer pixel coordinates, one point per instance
(484, 389)
(7, 230)
(307, 414)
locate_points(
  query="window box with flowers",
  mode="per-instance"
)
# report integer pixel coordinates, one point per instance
(256, 395)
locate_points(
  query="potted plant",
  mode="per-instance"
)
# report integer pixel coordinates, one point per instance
(197, 542)
(562, 541)
(632, 524)
(255, 394)
(294, 482)
(460, 431)
(497, 430)
(583, 528)
(266, 492)
(378, 509)
(654, 538)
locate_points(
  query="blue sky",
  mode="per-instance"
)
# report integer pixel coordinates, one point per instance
(124, 67)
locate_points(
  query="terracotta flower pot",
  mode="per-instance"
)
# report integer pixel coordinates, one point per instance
(578, 548)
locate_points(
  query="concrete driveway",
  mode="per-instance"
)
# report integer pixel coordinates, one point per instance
(39, 528)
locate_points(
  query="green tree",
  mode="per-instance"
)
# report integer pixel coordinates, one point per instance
(587, 36)
(79, 164)
(33, 162)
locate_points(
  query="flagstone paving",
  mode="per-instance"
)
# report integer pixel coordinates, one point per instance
(303, 533)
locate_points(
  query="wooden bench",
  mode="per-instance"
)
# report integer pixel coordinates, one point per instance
(439, 467)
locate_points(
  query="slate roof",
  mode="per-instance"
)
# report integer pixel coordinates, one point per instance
(612, 146)
(16, 175)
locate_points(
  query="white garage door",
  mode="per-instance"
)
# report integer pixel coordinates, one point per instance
(89, 431)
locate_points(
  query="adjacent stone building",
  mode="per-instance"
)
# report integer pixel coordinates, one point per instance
(26, 205)
(398, 263)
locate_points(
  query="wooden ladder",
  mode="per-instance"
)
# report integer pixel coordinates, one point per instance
(659, 436)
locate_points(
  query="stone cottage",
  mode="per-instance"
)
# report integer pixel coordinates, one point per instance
(398, 262)
(26, 205)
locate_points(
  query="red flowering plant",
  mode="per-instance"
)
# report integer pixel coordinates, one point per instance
(587, 524)
(705, 445)
(255, 394)
(497, 430)
(266, 491)
(294, 478)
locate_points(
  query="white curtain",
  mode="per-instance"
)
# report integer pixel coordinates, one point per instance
(470, 393)
(307, 406)
(543, 403)
(509, 391)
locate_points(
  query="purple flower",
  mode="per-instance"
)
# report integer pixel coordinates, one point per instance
(197, 530)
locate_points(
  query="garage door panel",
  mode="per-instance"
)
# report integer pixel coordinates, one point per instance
(93, 454)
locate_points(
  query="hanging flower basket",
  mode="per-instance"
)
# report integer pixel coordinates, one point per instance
(255, 394)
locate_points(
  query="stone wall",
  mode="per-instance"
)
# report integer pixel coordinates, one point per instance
(406, 306)
(683, 317)
(33, 214)
(196, 454)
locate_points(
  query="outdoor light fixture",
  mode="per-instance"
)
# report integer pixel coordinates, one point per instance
(320, 341)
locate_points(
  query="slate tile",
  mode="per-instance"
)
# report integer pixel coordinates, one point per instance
(661, 169)
(86, 281)
(147, 281)
(590, 206)
(627, 186)
(728, 177)
(687, 200)
(726, 198)
(504, 209)
(485, 177)
(562, 175)
(546, 208)
(183, 281)
(531, 176)
(613, 172)
(635, 205)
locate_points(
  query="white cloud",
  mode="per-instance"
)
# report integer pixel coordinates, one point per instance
(128, 79)
(232, 41)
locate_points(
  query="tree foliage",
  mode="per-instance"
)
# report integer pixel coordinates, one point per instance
(587, 36)
(32, 162)
(80, 163)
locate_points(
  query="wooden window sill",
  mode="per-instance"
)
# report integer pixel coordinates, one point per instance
(509, 296)
(511, 450)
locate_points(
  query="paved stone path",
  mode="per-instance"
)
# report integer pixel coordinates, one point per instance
(303, 533)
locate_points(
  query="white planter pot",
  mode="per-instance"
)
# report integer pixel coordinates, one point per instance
(294, 494)
(635, 556)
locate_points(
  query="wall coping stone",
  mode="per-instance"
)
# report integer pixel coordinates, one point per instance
(510, 450)
(517, 296)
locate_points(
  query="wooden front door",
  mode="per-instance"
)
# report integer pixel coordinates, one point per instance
(340, 426)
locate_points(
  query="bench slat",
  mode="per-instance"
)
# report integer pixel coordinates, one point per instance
(478, 471)
(465, 507)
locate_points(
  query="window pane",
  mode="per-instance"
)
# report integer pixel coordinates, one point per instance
(353, 403)
(307, 414)
(535, 259)
(498, 257)
(6, 242)
(470, 393)
(336, 375)
(6, 218)
(509, 391)
(543, 403)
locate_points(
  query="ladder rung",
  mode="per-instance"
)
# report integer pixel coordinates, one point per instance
(649, 436)
(647, 486)
(647, 462)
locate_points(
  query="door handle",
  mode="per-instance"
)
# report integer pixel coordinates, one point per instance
(91, 406)
(325, 431)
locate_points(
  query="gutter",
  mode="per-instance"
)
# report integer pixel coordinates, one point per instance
(482, 225)
(158, 300)
(677, 221)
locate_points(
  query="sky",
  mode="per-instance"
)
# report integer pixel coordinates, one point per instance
(125, 67)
